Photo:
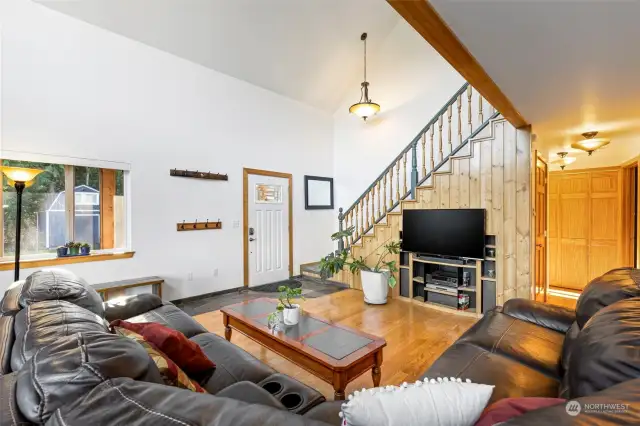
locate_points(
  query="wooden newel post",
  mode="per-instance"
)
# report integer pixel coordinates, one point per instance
(340, 219)
(414, 169)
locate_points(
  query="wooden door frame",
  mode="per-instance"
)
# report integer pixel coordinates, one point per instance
(245, 215)
(538, 157)
(629, 191)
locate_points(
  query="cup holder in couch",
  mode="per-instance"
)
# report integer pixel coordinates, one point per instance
(291, 401)
(273, 388)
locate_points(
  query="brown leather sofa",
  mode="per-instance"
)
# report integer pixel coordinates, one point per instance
(531, 349)
(59, 365)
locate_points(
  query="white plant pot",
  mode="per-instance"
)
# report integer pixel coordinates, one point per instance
(292, 315)
(375, 287)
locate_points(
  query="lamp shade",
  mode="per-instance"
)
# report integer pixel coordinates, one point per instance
(364, 109)
(20, 174)
(590, 145)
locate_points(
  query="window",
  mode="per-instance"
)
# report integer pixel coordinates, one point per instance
(98, 216)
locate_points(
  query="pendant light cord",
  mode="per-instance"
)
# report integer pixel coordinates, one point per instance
(365, 58)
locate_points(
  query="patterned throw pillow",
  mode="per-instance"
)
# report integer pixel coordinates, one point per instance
(170, 372)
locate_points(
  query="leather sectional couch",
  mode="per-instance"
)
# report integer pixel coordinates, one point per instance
(60, 366)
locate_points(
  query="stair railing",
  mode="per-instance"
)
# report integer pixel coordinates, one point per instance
(435, 144)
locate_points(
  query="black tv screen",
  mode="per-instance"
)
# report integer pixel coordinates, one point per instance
(454, 233)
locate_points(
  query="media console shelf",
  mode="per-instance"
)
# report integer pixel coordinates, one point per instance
(414, 270)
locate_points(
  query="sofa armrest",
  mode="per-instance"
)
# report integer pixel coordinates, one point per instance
(130, 306)
(552, 317)
(9, 412)
(251, 393)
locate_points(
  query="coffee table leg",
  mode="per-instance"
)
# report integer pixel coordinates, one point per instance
(339, 385)
(376, 372)
(227, 329)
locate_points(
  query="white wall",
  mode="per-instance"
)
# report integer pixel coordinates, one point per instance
(411, 82)
(72, 89)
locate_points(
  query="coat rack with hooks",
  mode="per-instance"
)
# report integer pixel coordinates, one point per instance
(198, 174)
(198, 226)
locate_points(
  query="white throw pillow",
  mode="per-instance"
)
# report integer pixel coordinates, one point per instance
(435, 402)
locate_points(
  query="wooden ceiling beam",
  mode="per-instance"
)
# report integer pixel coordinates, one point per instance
(428, 23)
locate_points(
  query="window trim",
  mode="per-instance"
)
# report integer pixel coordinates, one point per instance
(49, 259)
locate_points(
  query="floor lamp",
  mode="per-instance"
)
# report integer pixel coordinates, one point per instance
(20, 178)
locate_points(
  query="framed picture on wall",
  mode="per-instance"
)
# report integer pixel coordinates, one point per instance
(318, 193)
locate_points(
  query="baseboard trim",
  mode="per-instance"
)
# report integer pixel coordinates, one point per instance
(215, 293)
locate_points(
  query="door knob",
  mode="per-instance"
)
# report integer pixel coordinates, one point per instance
(539, 245)
(252, 239)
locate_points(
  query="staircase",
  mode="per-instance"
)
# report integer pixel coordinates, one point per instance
(446, 137)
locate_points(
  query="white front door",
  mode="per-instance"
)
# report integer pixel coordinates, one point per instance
(268, 229)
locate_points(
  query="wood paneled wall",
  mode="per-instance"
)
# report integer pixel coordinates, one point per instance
(493, 173)
(585, 225)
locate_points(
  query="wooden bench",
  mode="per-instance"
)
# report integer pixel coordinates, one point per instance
(116, 288)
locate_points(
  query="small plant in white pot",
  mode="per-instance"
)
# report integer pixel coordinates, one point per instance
(291, 311)
(376, 280)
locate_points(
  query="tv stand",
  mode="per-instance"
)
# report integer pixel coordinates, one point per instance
(423, 267)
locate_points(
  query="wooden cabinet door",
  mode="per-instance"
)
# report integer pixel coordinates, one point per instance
(540, 211)
(585, 226)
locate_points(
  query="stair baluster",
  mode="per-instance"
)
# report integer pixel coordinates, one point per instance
(367, 207)
(379, 213)
(340, 219)
(398, 181)
(414, 168)
(433, 165)
(404, 173)
(384, 196)
(459, 120)
(449, 114)
(424, 154)
(361, 217)
(357, 228)
(373, 205)
(440, 137)
(480, 116)
(391, 189)
(469, 104)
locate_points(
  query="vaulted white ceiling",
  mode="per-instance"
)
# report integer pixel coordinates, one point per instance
(307, 50)
(567, 66)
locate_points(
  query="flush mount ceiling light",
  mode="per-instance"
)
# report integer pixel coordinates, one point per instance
(564, 160)
(590, 142)
(365, 107)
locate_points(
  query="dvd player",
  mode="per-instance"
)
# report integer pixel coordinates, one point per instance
(444, 289)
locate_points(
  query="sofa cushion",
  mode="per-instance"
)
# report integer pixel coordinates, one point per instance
(171, 316)
(10, 304)
(59, 284)
(45, 322)
(132, 403)
(7, 338)
(537, 347)
(607, 350)
(511, 378)
(126, 307)
(9, 412)
(233, 364)
(569, 340)
(72, 366)
(615, 285)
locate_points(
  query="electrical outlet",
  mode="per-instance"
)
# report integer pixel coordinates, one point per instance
(190, 276)
(215, 272)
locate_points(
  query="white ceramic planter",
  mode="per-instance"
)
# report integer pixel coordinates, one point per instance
(292, 316)
(375, 287)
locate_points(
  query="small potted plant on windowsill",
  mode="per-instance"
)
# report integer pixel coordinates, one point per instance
(62, 251)
(376, 280)
(85, 249)
(73, 248)
(291, 311)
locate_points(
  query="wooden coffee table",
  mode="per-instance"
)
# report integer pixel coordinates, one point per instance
(330, 351)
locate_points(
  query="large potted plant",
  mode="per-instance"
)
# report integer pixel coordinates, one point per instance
(376, 279)
(291, 312)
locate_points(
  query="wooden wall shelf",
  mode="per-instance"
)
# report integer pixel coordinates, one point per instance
(197, 174)
(197, 226)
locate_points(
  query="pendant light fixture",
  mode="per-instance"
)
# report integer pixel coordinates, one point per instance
(365, 107)
(590, 142)
(564, 160)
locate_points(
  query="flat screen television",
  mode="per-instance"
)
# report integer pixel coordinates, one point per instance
(452, 233)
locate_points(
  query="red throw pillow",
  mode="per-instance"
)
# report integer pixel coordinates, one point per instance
(185, 353)
(508, 408)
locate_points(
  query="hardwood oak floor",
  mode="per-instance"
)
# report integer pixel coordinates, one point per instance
(416, 336)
